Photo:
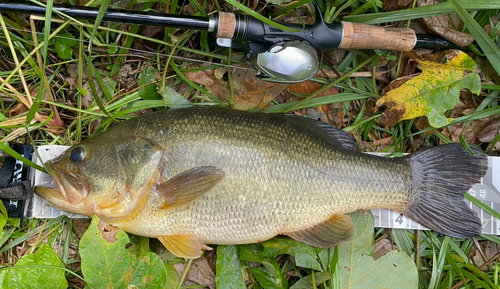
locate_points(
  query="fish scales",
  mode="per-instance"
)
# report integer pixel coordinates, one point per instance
(269, 188)
(197, 176)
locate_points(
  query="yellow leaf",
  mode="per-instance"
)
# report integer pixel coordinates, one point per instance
(434, 91)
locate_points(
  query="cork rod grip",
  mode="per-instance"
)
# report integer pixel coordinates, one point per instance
(226, 25)
(363, 36)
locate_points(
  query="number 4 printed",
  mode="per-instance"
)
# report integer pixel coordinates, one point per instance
(399, 220)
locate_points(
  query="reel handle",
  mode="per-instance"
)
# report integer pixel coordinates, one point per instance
(363, 36)
(320, 35)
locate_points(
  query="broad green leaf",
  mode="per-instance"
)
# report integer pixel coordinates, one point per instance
(105, 265)
(148, 91)
(63, 45)
(306, 282)
(434, 91)
(110, 265)
(359, 270)
(172, 276)
(36, 277)
(149, 272)
(268, 276)
(173, 99)
(229, 273)
(305, 255)
(2, 117)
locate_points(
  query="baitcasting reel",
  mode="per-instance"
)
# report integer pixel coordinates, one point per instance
(288, 62)
(282, 62)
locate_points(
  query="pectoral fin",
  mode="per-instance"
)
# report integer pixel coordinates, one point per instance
(333, 231)
(184, 246)
(188, 186)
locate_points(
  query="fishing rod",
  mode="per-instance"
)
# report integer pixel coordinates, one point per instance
(277, 55)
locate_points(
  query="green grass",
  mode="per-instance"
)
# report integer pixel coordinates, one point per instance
(69, 99)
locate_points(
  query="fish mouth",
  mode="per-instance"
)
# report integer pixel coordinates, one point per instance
(71, 186)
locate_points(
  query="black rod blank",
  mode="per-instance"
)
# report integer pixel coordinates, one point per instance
(112, 15)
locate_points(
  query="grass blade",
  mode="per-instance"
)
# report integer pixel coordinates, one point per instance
(16, 155)
(46, 30)
(254, 14)
(102, 10)
(420, 12)
(483, 206)
(490, 49)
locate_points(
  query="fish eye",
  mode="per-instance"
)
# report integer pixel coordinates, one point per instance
(78, 154)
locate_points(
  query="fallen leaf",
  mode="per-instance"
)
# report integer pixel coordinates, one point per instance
(108, 231)
(490, 250)
(442, 25)
(404, 2)
(199, 273)
(469, 132)
(433, 92)
(382, 247)
(489, 132)
(397, 83)
(249, 91)
(307, 86)
(378, 145)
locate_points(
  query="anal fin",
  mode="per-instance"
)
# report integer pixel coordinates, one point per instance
(184, 246)
(331, 232)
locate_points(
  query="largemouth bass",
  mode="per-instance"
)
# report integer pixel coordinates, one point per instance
(198, 176)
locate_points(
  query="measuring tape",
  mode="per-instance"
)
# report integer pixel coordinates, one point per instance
(487, 191)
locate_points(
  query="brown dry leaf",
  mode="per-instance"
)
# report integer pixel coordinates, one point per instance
(404, 2)
(199, 273)
(307, 86)
(390, 5)
(442, 25)
(470, 134)
(81, 225)
(249, 91)
(489, 132)
(334, 56)
(108, 231)
(490, 250)
(383, 247)
(378, 145)
(423, 123)
(332, 113)
(335, 113)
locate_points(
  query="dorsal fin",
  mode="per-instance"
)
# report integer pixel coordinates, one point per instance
(328, 132)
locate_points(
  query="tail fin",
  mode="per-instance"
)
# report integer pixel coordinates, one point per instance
(441, 175)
